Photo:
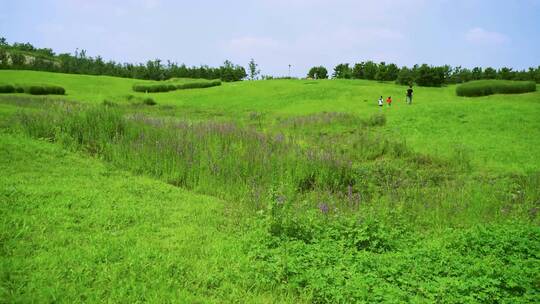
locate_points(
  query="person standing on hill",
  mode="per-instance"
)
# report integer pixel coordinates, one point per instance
(409, 95)
(389, 100)
(380, 102)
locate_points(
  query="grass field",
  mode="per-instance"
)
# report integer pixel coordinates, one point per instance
(499, 132)
(268, 192)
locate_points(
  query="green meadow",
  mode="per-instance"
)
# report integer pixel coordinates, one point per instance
(270, 191)
(498, 132)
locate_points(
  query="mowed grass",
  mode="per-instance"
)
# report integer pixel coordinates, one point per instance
(497, 132)
(73, 229)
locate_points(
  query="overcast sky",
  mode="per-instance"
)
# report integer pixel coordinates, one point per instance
(276, 33)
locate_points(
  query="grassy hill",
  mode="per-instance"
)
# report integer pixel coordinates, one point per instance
(267, 191)
(499, 132)
(74, 229)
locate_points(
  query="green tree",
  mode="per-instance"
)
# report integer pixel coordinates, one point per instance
(358, 71)
(430, 76)
(476, 73)
(405, 76)
(370, 70)
(505, 73)
(253, 71)
(489, 73)
(342, 71)
(318, 72)
(392, 71)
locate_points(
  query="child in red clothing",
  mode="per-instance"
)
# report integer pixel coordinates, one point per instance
(389, 100)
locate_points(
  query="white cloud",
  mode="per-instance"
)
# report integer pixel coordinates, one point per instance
(479, 35)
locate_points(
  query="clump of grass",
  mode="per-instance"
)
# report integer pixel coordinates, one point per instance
(7, 88)
(109, 103)
(323, 118)
(489, 87)
(332, 118)
(149, 101)
(167, 86)
(376, 120)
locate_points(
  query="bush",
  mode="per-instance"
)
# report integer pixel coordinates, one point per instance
(44, 90)
(7, 88)
(154, 88)
(149, 101)
(171, 86)
(198, 85)
(489, 87)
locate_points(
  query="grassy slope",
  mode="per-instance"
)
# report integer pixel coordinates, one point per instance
(73, 229)
(102, 234)
(499, 132)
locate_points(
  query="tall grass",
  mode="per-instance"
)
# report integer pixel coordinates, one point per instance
(168, 86)
(217, 158)
(241, 164)
(489, 87)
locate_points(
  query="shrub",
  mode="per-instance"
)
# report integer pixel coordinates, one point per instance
(154, 88)
(44, 90)
(149, 101)
(198, 85)
(489, 87)
(171, 86)
(7, 88)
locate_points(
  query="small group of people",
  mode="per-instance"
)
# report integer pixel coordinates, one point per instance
(389, 99)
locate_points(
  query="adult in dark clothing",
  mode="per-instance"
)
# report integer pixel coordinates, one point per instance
(409, 95)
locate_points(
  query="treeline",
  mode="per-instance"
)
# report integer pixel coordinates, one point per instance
(24, 56)
(426, 75)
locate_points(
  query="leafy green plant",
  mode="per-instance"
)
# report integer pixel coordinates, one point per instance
(149, 101)
(7, 88)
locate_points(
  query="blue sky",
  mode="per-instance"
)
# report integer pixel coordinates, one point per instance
(276, 33)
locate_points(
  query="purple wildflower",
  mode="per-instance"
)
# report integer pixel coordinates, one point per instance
(324, 208)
